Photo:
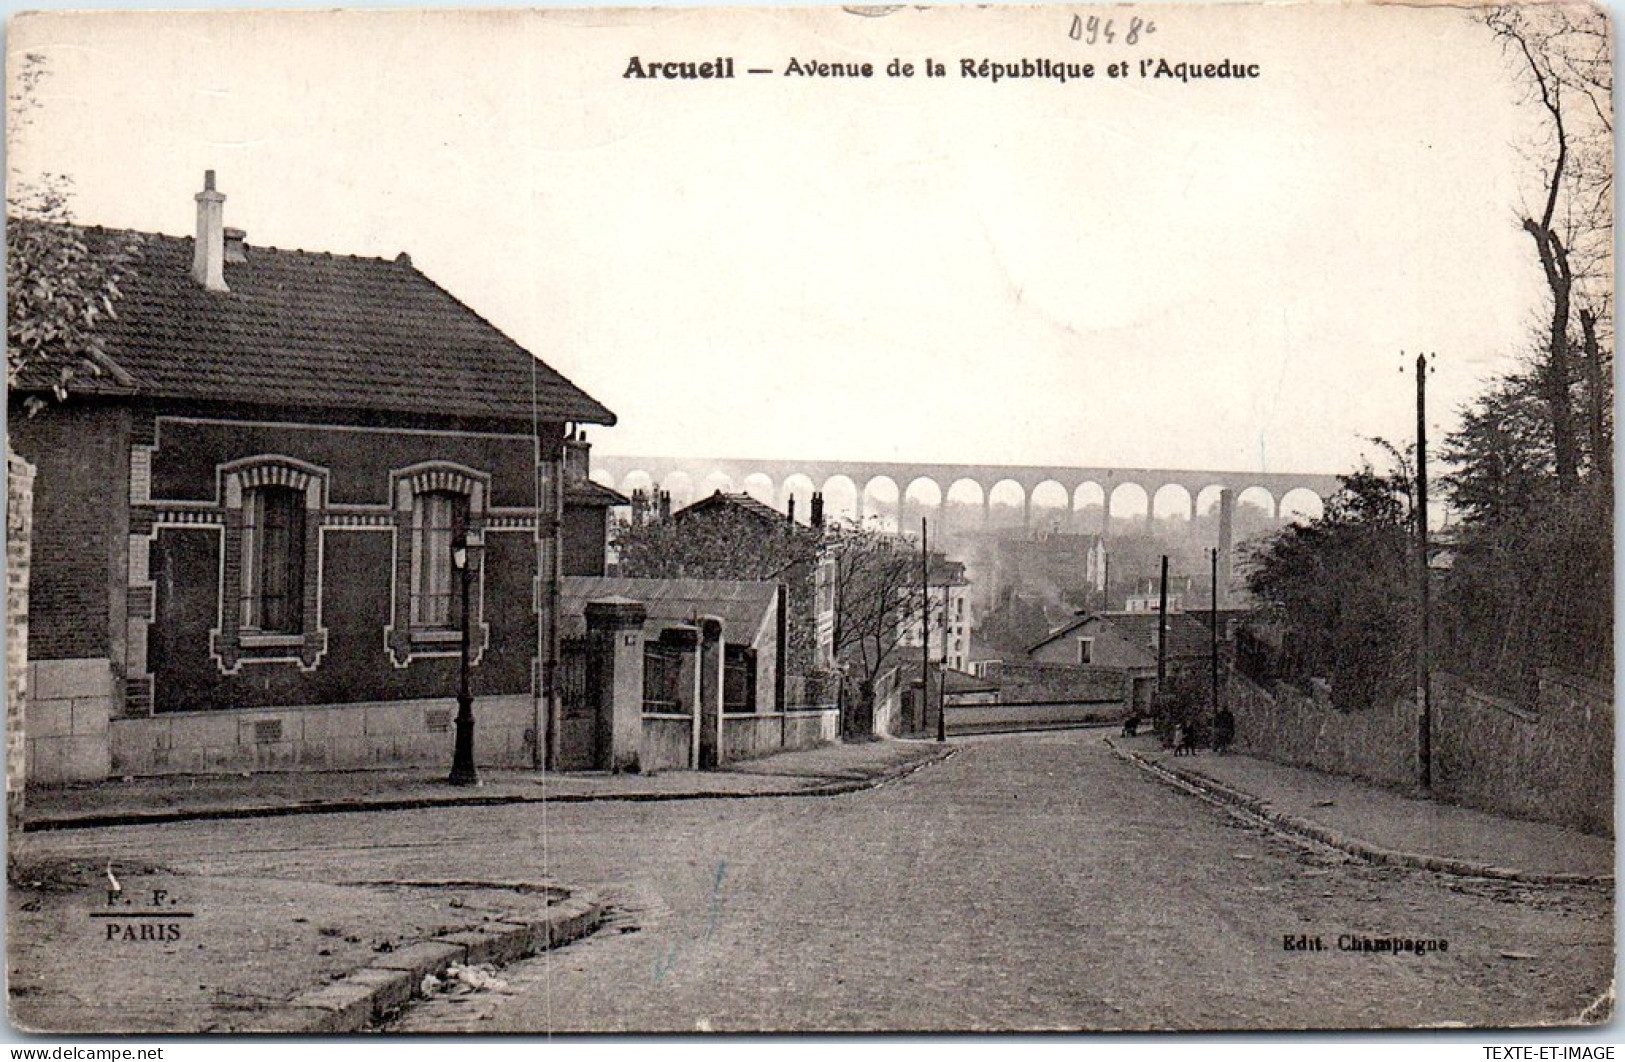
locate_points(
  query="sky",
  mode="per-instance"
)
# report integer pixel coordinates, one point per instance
(1214, 274)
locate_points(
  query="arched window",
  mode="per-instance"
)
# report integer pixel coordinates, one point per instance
(439, 518)
(435, 505)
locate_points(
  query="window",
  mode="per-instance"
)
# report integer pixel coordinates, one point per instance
(273, 590)
(434, 503)
(662, 679)
(438, 518)
(1086, 650)
(738, 679)
(270, 608)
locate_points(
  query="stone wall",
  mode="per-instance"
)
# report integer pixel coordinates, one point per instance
(1028, 682)
(19, 531)
(414, 733)
(667, 743)
(1552, 762)
(1304, 729)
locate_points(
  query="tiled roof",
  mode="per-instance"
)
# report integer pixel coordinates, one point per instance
(742, 605)
(742, 502)
(1187, 635)
(590, 492)
(313, 330)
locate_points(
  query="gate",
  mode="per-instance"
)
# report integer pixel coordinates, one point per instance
(582, 741)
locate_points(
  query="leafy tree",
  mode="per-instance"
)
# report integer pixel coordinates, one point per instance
(878, 591)
(1339, 591)
(61, 284)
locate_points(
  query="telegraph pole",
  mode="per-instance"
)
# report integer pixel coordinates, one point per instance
(925, 621)
(1213, 600)
(942, 676)
(1162, 627)
(1424, 692)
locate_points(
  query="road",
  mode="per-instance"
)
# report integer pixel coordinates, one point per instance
(1031, 882)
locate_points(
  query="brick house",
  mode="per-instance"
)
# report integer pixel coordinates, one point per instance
(242, 528)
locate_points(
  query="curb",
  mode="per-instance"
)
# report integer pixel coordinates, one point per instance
(371, 993)
(1217, 792)
(347, 806)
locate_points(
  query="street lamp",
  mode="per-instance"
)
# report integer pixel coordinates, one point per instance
(464, 558)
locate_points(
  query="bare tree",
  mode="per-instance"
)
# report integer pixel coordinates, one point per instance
(1562, 53)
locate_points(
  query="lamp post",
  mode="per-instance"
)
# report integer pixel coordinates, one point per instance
(463, 558)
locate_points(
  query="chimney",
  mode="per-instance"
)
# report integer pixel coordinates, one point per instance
(208, 252)
(665, 505)
(577, 452)
(790, 510)
(236, 246)
(817, 514)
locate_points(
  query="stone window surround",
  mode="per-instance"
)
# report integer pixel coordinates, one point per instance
(403, 641)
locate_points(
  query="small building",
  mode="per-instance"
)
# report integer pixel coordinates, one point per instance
(677, 673)
(244, 526)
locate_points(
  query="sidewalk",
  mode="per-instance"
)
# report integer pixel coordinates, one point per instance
(1382, 825)
(820, 771)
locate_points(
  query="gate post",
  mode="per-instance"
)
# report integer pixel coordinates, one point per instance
(617, 624)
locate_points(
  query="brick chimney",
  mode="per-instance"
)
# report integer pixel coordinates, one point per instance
(577, 458)
(209, 251)
(790, 510)
(817, 514)
(236, 246)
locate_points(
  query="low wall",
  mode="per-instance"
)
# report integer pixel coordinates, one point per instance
(746, 737)
(995, 718)
(1303, 729)
(1025, 681)
(415, 733)
(667, 743)
(1552, 762)
(70, 703)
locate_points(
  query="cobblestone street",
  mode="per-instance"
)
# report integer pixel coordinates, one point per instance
(1031, 882)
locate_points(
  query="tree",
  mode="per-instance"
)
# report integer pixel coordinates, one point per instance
(1340, 591)
(732, 544)
(878, 595)
(61, 282)
(1562, 54)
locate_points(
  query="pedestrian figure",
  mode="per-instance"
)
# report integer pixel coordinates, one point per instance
(1131, 725)
(1185, 739)
(1224, 730)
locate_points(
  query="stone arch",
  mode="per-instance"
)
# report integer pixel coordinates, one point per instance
(1301, 505)
(881, 502)
(1006, 503)
(759, 485)
(1171, 500)
(1208, 500)
(1259, 497)
(840, 498)
(637, 479)
(1050, 505)
(716, 481)
(922, 497)
(968, 493)
(1128, 501)
(680, 485)
(797, 485)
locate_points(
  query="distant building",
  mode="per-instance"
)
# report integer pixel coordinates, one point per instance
(949, 614)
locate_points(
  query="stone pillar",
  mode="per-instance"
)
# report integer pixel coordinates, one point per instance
(1227, 520)
(710, 695)
(687, 639)
(19, 531)
(616, 624)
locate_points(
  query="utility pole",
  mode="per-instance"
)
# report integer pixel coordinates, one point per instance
(942, 676)
(925, 621)
(1424, 692)
(1213, 599)
(1162, 627)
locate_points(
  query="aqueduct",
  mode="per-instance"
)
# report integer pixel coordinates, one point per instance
(781, 477)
